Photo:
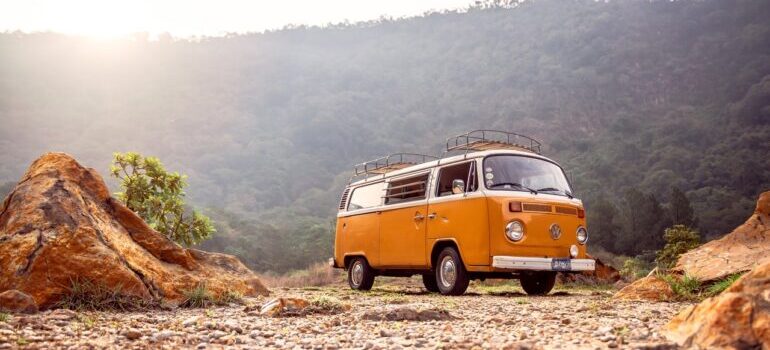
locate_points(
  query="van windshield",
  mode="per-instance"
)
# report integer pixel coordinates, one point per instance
(521, 173)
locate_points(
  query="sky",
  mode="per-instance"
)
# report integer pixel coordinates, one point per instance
(180, 18)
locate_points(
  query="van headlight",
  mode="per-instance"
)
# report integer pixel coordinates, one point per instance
(582, 235)
(514, 231)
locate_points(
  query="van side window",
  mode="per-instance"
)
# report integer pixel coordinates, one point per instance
(409, 189)
(367, 196)
(464, 171)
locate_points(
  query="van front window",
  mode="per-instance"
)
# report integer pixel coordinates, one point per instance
(521, 173)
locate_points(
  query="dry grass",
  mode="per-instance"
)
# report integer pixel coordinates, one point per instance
(85, 294)
(316, 275)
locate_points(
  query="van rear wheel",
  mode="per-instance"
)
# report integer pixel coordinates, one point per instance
(360, 274)
(451, 277)
(538, 282)
(429, 281)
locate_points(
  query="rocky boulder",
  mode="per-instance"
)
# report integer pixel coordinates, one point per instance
(650, 288)
(17, 302)
(747, 247)
(739, 318)
(60, 224)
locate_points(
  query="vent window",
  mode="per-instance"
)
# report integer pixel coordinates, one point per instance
(344, 199)
(406, 190)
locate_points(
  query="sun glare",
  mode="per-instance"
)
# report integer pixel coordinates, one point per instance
(113, 18)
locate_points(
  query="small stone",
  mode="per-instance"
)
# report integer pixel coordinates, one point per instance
(191, 321)
(132, 334)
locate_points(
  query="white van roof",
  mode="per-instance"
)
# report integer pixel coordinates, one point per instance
(373, 177)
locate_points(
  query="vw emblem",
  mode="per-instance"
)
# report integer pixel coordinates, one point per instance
(555, 231)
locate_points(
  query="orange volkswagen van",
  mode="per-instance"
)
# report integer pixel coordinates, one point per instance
(492, 207)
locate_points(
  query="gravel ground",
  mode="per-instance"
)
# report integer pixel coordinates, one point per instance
(487, 317)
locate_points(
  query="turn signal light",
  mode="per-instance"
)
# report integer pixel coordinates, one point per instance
(514, 207)
(581, 213)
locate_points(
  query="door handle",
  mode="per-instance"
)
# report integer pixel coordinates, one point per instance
(419, 217)
(432, 216)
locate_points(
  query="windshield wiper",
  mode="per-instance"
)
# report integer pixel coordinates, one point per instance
(552, 189)
(515, 184)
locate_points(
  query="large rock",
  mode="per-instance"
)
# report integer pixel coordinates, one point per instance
(60, 225)
(747, 247)
(739, 318)
(650, 288)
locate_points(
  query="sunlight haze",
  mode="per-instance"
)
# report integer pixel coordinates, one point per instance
(105, 19)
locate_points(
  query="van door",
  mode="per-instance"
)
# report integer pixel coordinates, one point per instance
(460, 216)
(402, 222)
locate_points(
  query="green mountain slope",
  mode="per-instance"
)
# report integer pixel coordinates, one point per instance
(626, 94)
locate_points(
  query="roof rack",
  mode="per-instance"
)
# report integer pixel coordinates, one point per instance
(483, 140)
(390, 163)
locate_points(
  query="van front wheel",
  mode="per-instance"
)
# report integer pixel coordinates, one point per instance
(360, 274)
(451, 277)
(538, 283)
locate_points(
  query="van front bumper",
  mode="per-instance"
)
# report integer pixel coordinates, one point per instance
(540, 264)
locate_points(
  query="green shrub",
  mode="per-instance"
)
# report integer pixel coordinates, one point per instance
(158, 197)
(679, 240)
(634, 268)
(4, 317)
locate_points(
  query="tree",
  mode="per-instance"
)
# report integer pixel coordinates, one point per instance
(679, 240)
(603, 228)
(681, 210)
(158, 197)
(643, 222)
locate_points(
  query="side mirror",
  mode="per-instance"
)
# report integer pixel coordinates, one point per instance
(458, 186)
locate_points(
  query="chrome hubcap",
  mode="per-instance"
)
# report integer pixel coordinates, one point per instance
(357, 273)
(448, 272)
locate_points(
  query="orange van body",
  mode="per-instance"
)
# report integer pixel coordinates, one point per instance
(401, 221)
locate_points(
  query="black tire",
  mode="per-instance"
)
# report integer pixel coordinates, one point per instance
(364, 278)
(538, 283)
(459, 283)
(429, 281)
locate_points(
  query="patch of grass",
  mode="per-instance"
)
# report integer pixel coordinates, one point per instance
(327, 305)
(21, 341)
(394, 299)
(318, 274)
(585, 286)
(4, 317)
(684, 288)
(197, 297)
(230, 297)
(209, 313)
(84, 294)
(87, 320)
(719, 286)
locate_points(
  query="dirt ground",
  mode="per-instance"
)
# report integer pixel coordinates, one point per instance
(391, 316)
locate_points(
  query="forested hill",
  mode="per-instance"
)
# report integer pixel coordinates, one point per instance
(630, 96)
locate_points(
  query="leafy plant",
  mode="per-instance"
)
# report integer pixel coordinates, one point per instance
(4, 317)
(158, 197)
(679, 240)
(198, 296)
